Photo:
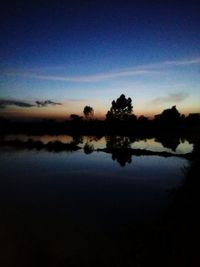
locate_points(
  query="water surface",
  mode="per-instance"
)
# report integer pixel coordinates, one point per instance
(94, 187)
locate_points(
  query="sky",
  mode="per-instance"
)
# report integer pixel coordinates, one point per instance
(58, 56)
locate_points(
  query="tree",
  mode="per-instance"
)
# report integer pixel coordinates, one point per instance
(88, 112)
(121, 109)
(169, 116)
(75, 117)
(143, 119)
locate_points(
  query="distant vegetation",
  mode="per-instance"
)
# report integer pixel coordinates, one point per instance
(120, 119)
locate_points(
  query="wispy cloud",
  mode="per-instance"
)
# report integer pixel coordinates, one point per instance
(171, 98)
(46, 103)
(142, 70)
(4, 103)
(91, 78)
(167, 64)
(183, 62)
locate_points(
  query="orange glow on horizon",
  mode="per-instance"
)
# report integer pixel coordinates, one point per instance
(63, 112)
(57, 114)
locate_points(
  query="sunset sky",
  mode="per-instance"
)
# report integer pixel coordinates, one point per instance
(76, 53)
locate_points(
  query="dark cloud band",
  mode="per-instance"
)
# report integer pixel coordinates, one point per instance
(46, 103)
(4, 103)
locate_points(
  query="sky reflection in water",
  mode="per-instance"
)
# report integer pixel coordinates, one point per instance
(153, 144)
(90, 188)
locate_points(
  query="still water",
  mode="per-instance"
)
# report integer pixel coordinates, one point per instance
(70, 208)
(94, 187)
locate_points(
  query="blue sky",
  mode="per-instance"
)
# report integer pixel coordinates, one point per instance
(89, 52)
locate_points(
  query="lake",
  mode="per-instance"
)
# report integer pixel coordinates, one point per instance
(50, 201)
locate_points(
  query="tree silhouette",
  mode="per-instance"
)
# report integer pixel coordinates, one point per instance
(121, 109)
(169, 116)
(88, 112)
(143, 119)
(75, 117)
(193, 119)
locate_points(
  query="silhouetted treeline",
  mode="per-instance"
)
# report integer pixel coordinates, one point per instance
(97, 127)
(119, 120)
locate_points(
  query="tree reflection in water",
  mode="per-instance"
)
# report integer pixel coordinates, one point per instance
(88, 148)
(170, 142)
(120, 147)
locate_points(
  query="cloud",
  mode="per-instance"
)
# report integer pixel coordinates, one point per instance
(141, 70)
(168, 63)
(183, 62)
(5, 102)
(171, 98)
(46, 103)
(91, 78)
